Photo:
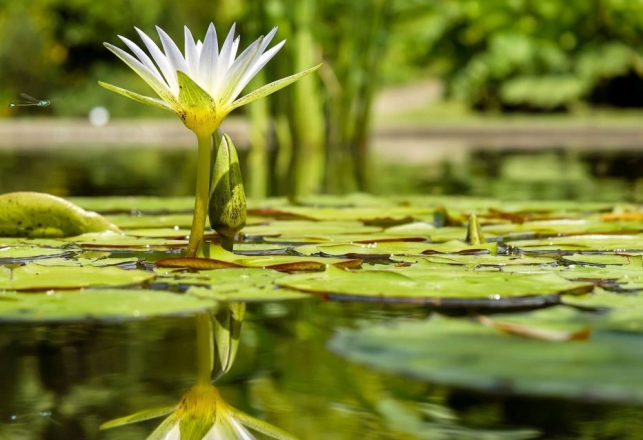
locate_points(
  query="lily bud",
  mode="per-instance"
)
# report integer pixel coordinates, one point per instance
(227, 207)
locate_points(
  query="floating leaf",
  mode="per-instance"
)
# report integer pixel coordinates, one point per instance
(386, 249)
(618, 244)
(218, 257)
(102, 305)
(438, 288)
(35, 277)
(241, 284)
(467, 354)
(30, 253)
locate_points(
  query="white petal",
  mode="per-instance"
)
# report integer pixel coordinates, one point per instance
(161, 61)
(173, 434)
(172, 52)
(191, 54)
(209, 58)
(224, 60)
(142, 56)
(161, 88)
(239, 68)
(255, 68)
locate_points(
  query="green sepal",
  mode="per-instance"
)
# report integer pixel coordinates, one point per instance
(148, 100)
(271, 88)
(140, 416)
(196, 107)
(190, 93)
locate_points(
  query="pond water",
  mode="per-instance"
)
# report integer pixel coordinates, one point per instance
(325, 353)
(63, 381)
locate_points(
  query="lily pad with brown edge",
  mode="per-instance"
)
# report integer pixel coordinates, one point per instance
(36, 277)
(464, 353)
(565, 227)
(378, 216)
(387, 249)
(485, 260)
(30, 253)
(137, 204)
(444, 289)
(97, 305)
(616, 244)
(121, 241)
(621, 312)
(285, 229)
(221, 259)
(80, 260)
(238, 284)
(152, 221)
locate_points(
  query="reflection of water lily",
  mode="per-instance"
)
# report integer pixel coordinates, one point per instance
(201, 85)
(202, 414)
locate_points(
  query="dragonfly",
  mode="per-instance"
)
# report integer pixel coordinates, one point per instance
(30, 101)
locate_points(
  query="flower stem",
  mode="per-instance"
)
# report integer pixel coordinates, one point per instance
(204, 348)
(202, 194)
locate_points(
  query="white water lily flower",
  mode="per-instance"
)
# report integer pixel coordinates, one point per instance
(201, 84)
(202, 415)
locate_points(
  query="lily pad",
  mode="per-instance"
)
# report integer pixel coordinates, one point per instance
(467, 354)
(238, 284)
(386, 249)
(35, 277)
(152, 221)
(114, 241)
(622, 312)
(216, 258)
(308, 228)
(135, 204)
(100, 305)
(617, 244)
(29, 253)
(438, 288)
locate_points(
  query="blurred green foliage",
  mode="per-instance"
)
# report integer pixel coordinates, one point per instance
(525, 54)
(494, 54)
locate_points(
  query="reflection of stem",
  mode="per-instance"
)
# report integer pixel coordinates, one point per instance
(202, 194)
(204, 348)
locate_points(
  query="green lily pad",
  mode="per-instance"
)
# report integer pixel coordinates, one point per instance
(438, 288)
(385, 249)
(215, 257)
(152, 221)
(30, 253)
(101, 305)
(135, 204)
(237, 284)
(562, 227)
(36, 277)
(467, 354)
(617, 244)
(110, 241)
(298, 228)
(623, 312)
(484, 260)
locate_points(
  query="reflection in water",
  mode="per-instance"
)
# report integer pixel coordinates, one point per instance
(202, 413)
